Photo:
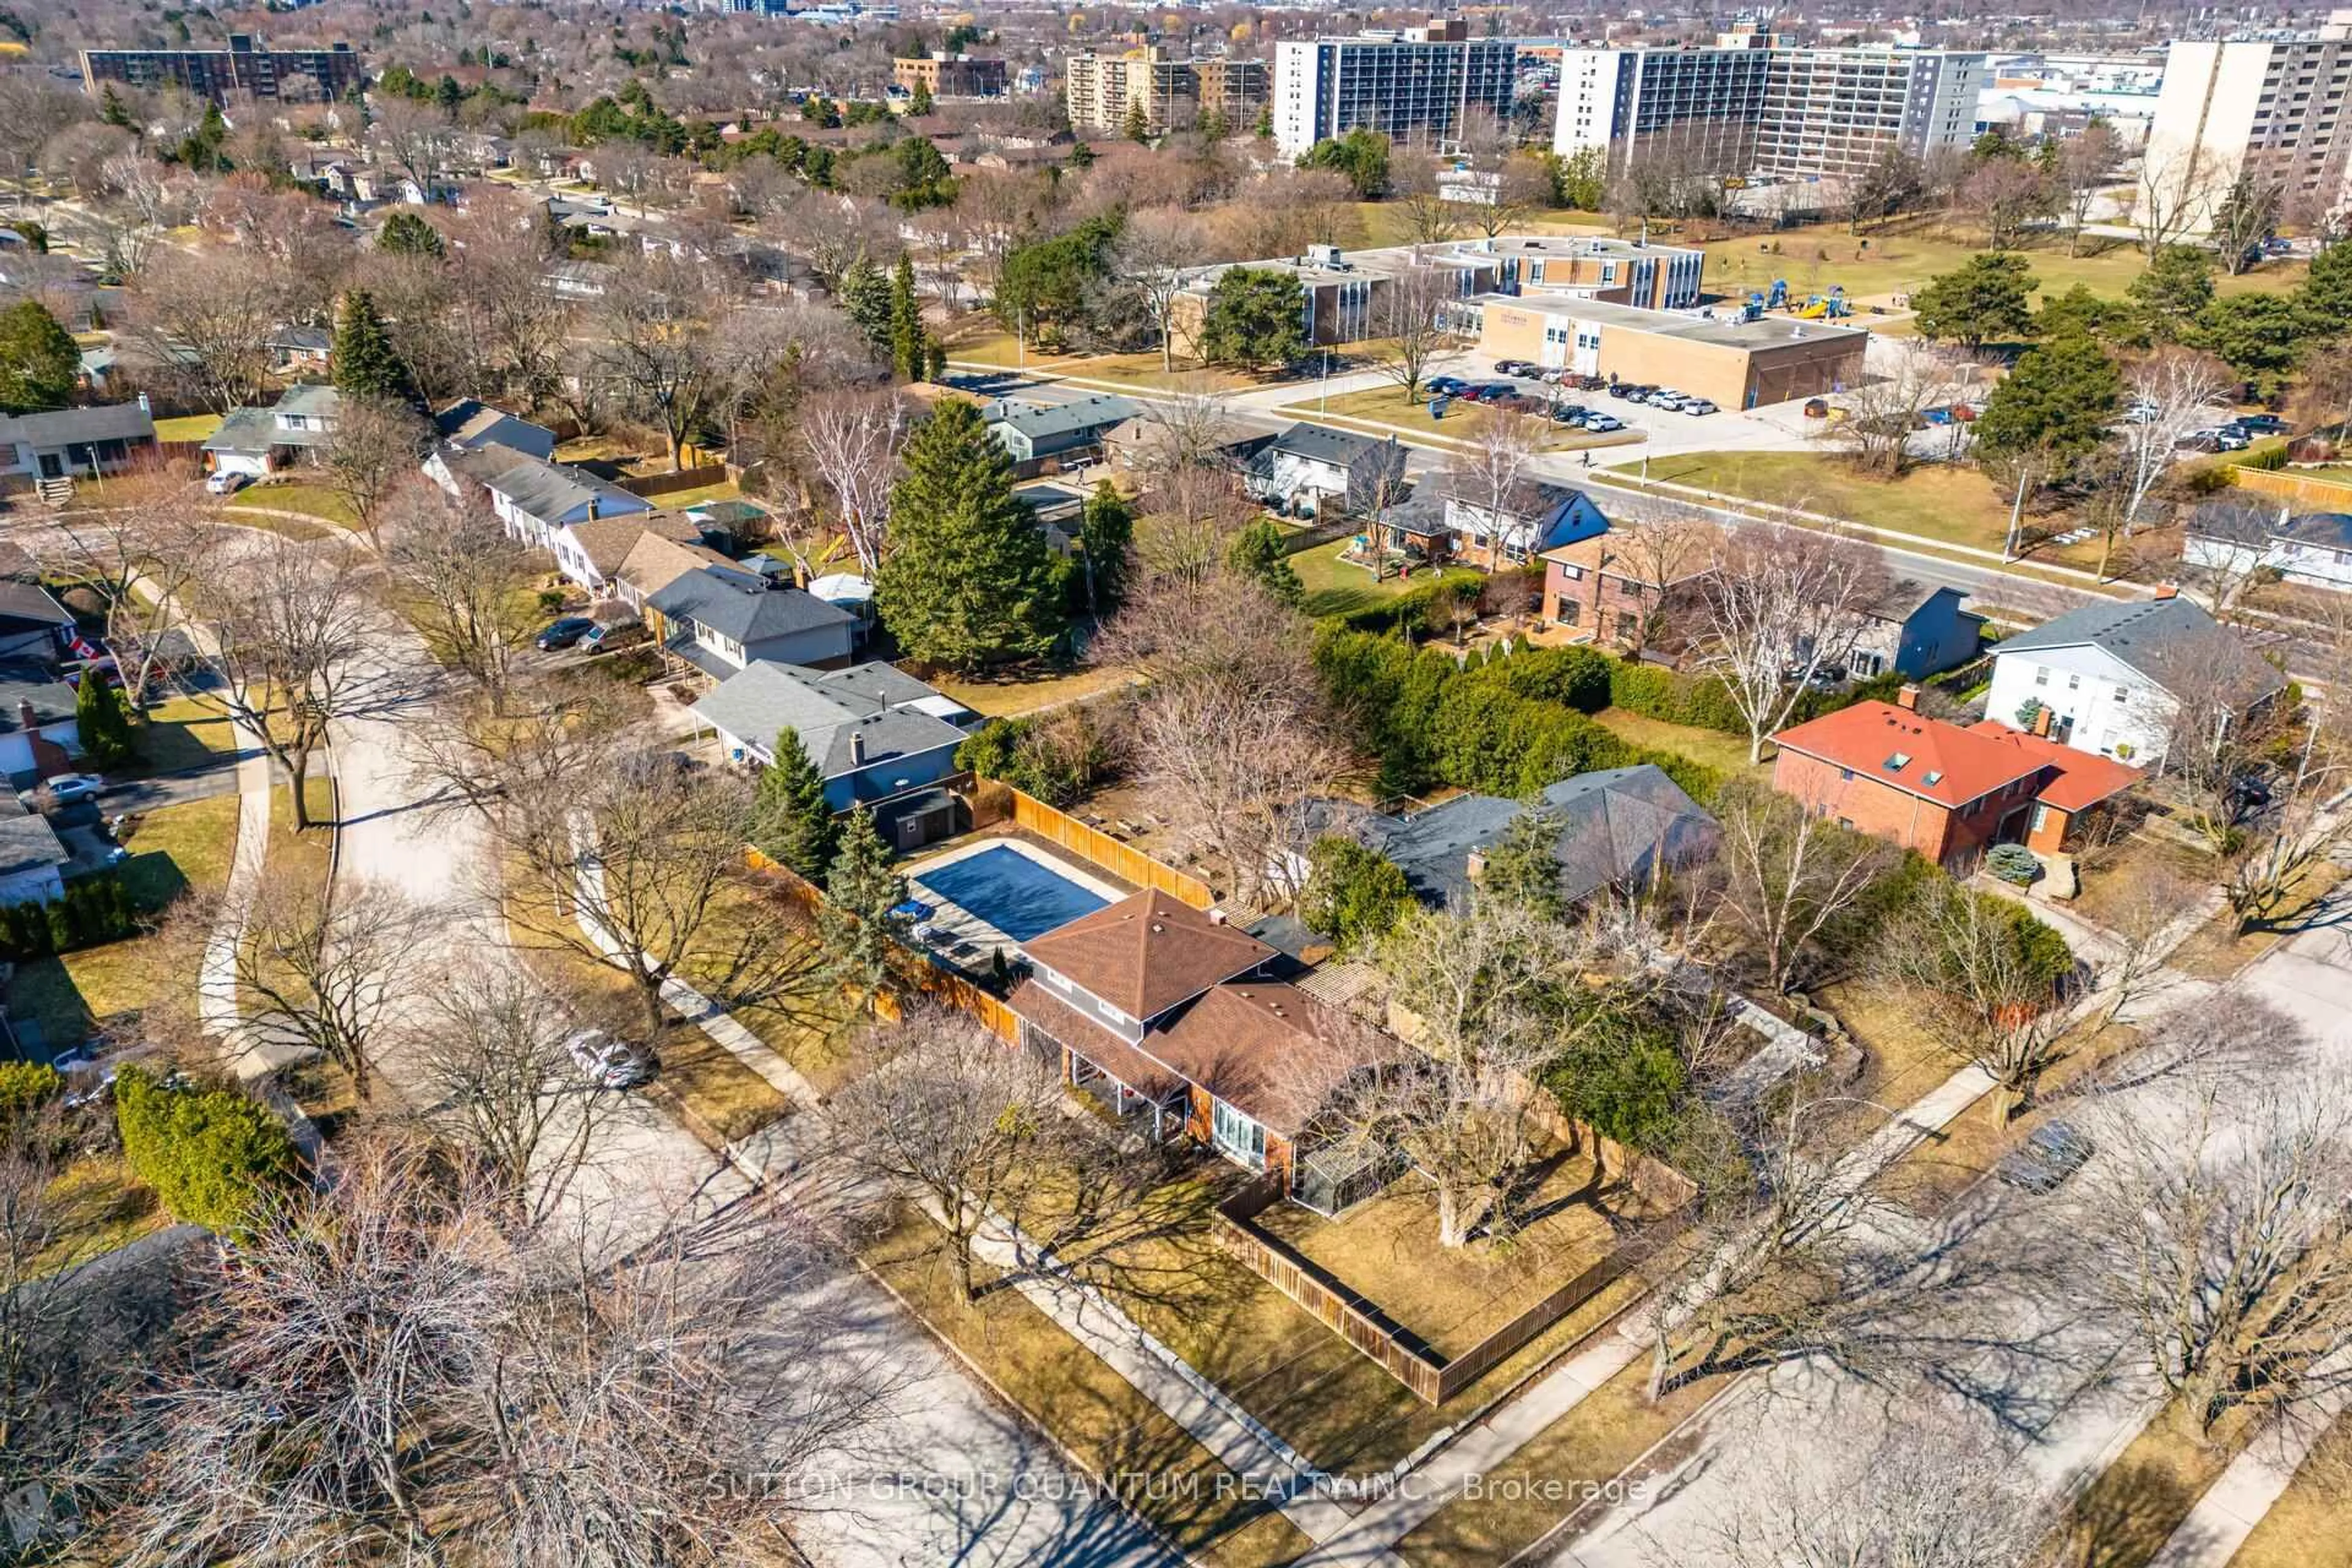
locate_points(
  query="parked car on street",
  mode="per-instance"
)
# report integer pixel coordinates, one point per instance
(68, 788)
(2049, 1155)
(1701, 406)
(562, 633)
(607, 1062)
(1602, 424)
(1631, 390)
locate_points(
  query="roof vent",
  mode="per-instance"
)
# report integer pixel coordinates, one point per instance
(1933, 778)
(1897, 763)
(1156, 926)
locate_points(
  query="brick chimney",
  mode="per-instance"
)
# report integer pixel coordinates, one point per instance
(2168, 591)
(2041, 718)
(1907, 699)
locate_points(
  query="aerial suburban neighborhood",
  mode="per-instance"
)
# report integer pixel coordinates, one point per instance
(854, 785)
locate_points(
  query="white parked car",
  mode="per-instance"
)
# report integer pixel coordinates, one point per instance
(227, 484)
(608, 1062)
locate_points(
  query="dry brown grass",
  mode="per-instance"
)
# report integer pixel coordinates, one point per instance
(2310, 1526)
(2217, 950)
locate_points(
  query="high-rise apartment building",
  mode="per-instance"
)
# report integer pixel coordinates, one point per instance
(2270, 108)
(1751, 106)
(248, 65)
(1420, 85)
(1101, 90)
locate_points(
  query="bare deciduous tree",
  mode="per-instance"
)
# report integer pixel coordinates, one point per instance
(2218, 1246)
(458, 571)
(1978, 986)
(957, 1117)
(852, 443)
(2267, 877)
(152, 538)
(204, 324)
(286, 645)
(2173, 392)
(1410, 323)
(2086, 165)
(1780, 606)
(1785, 873)
(372, 447)
(1659, 552)
(633, 868)
(1885, 410)
(1156, 250)
(672, 342)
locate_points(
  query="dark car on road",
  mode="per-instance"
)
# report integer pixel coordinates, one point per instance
(2049, 1155)
(2261, 424)
(1445, 385)
(562, 633)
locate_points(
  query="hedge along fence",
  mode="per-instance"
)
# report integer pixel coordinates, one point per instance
(1510, 724)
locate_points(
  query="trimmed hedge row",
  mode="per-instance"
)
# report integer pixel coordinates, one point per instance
(94, 910)
(213, 1156)
(1499, 726)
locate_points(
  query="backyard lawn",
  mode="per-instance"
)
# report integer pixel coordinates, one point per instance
(987, 344)
(1728, 755)
(1954, 504)
(310, 501)
(1030, 690)
(1336, 588)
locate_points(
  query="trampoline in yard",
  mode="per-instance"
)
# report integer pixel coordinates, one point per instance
(1019, 896)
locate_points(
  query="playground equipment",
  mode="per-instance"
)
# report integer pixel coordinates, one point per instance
(1779, 299)
(1832, 304)
(1754, 309)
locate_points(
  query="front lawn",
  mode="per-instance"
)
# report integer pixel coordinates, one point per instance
(2310, 1526)
(1099, 1417)
(2217, 951)
(179, 734)
(310, 501)
(987, 344)
(1728, 755)
(1951, 503)
(1336, 587)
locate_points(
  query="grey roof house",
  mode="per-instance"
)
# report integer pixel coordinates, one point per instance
(721, 620)
(1033, 433)
(1917, 630)
(32, 859)
(535, 499)
(74, 443)
(1620, 827)
(257, 442)
(1309, 464)
(875, 732)
(2112, 677)
(33, 625)
(471, 423)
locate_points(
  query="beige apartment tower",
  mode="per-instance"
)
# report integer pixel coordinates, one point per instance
(2270, 108)
(1175, 94)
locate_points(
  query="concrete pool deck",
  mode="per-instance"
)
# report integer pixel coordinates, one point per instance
(961, 937)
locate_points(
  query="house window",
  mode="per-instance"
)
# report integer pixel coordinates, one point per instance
(1626, 623)
(1573, 574)
(1866, 664)
(1238, 1136)
(2041, 815)
(2040, 676)
(2122, 696)
(1570, 612)
(2075, 683)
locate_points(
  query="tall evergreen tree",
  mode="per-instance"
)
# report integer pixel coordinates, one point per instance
(40, 361)
(366, 363)
(1257, 554)
(1523, 868)
(1137, 127)
(856, 924)
(1107, 533)
(910, 347)
(970, 580)
(865, 299)
(99, 721)
(407, 234)
(791, 823)
(919, 101)
(113, 112)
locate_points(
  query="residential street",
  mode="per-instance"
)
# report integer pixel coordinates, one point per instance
(1794, 1409)
(950, 1476)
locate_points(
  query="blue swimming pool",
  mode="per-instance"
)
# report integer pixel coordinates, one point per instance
(1011, 891)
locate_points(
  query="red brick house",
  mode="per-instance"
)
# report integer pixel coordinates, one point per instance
(1949, 791)
(1164, 1012)
(1590, 587)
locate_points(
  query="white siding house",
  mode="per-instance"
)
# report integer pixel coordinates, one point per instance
(2314, 550)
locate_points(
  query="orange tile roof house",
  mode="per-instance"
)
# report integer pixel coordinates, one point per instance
(1949, 791)
(1162, 1010)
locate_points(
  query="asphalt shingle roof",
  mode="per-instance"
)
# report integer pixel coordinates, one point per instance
(107, 421)
(765, 698)
(1617, 824)
(1040, 419)
(539, 489)
(1322, 444)
(720, 600)
(2157, 637)
(26, 841)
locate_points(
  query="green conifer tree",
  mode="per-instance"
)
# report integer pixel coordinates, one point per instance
(910, 355)
(856, 924)
(972, 581)
(366, 363)
(865, 299)
(791, 823)
(1107, 533)
(98, 719)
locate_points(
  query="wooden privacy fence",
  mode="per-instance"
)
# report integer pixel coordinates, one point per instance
(992, 797)
(1405, 1356)
(914, 970)
(651, 484)
(2308, 489)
